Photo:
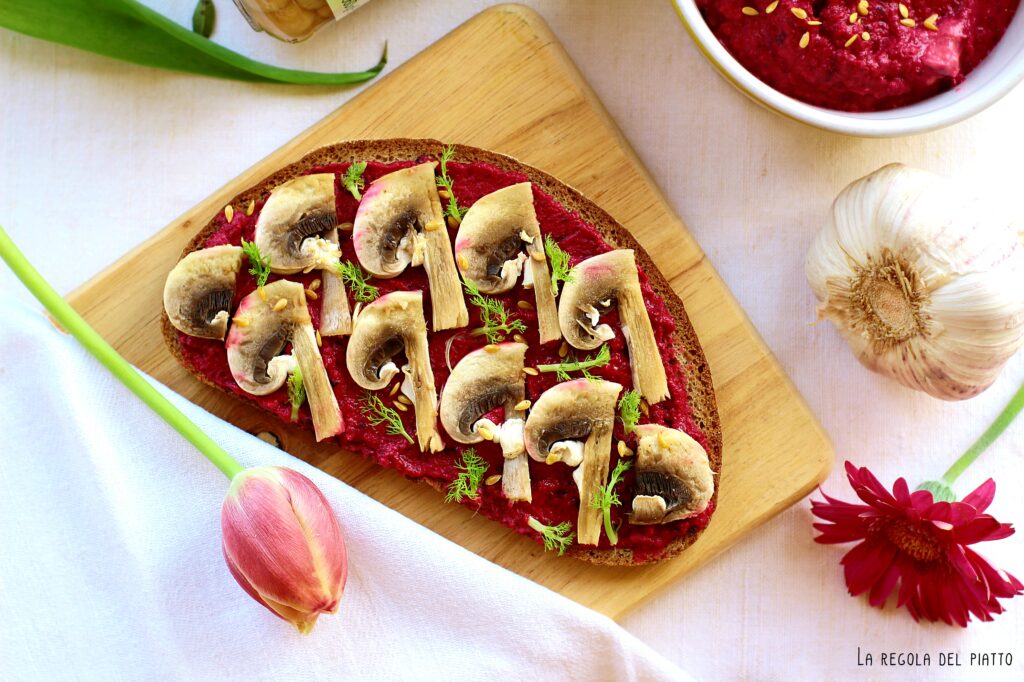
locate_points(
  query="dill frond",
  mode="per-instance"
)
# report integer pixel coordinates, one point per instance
(259, 267)
(558, 537)
(496, 320)
(353, 276)
(562, 369)
(467, 484)
(606, 497)
(559, 260)
(629, 410)
(377, 413)
(452, 210)
(353, 180)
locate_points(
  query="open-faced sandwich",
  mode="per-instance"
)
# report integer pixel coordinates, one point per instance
(471, 322)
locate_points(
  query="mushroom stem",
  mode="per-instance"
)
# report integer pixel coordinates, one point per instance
(323, 404)
(515, 477)
(597, 450)
(335, 319)
(424, 402)
(446, 298)
(547, 311)
(645, 359)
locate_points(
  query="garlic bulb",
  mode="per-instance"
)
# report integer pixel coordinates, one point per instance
(925, 284)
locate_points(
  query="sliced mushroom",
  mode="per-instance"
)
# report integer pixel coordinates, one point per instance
(199, 291)
(601, 282)
(292, 223)
(673, 476)
(483, 380)
(382, 330)
(335, 319)
(581, 412)
(264, 325)
(498, 235)
(400, 223)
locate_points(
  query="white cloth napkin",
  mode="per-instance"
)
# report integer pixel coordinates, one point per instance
(112, 569)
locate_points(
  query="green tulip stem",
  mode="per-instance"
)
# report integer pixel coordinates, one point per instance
(986, 439)
(70, 320)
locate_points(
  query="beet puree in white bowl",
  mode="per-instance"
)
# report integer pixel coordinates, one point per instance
(904, 67)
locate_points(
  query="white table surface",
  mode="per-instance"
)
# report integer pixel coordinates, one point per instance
(96, 155)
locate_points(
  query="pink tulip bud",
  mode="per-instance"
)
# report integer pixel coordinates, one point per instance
(283, 544)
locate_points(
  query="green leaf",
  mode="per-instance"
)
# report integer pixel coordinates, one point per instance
(203, 18)
(130, 31)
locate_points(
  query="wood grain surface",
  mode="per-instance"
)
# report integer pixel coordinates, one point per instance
(503, 82)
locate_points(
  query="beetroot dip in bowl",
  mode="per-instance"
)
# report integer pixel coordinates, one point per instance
(864, 67)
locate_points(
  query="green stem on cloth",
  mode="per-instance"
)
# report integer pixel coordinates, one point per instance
(993, 432)
(71, 321)
(130, 31)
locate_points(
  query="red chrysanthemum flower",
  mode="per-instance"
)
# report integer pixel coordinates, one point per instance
(910, 539)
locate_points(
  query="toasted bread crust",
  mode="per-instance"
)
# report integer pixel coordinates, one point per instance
(698, 375)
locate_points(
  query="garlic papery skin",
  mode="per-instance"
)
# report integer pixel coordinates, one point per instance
(924, 283)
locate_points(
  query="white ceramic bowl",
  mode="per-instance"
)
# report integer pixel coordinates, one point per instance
(984, 86)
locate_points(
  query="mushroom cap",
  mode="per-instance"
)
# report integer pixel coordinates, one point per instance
(379, 333)
(568, 411)
(480, 382)
(597, 284)
(292, 223)
(490, 247)
(255, 345)
(394, 208)
(674, 479)
(199, 291)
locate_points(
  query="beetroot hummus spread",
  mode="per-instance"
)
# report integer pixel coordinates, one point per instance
(555, 494)
(859, 55)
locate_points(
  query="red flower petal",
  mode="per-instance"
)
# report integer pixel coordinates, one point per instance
(982, 496)
(834, 534)
(869, 489)
(921, 501)
(958, 559)
(884, 587)
(901, 491)
(982, 529)
(951, 513)
(866, 563)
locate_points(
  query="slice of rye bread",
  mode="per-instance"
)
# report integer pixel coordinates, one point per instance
(699, 387)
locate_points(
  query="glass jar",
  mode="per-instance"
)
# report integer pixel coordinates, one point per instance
(294, 20)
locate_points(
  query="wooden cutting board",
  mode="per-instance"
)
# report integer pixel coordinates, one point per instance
(529, 102)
